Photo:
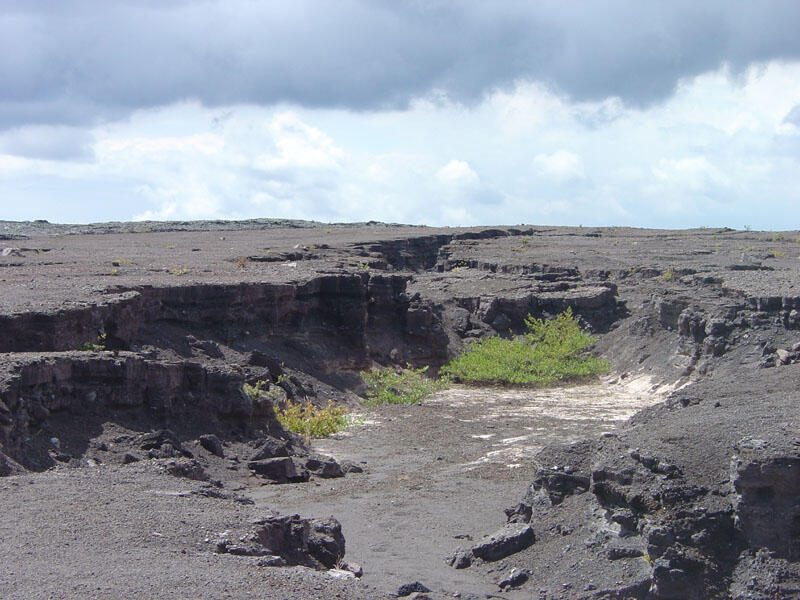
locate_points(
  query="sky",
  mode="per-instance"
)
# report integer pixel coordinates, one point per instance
(653, 114)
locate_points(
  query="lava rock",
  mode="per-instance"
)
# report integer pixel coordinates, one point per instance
(516, 577)
(282, 469)
(9, 466)
(316, 543)
(270, 447)
(163, 444)
(350, 467)
(460, 560)
(324, 466)
(409, 588)
(211, 443)
(326, 542)
(510, 539)
(188, 468)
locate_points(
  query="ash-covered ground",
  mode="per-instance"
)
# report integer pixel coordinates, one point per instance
(135, 466)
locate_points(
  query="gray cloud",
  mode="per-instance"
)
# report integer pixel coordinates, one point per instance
(75, 61)
(53, 142)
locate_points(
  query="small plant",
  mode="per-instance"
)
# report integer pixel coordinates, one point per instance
(264, 388)
(96, 346)
(777, 237)
(241, 263)
(777, 253)
(179, 271)
(114, 272)
(312, 422)
(363, 266)
(551, 351)
(387, 386)
(669, 274)
(170, 247)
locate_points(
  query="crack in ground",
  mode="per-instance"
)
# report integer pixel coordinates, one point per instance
(437, 472)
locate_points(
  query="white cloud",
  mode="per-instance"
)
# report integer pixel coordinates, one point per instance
(299, 146)
(561, 165)
(694, 173)
(458, 172)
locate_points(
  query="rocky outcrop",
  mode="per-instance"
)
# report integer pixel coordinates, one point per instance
(687, 501)
(291, 540)
(365, 316)
(181, 394)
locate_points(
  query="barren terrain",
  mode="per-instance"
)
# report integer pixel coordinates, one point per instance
(137, 467)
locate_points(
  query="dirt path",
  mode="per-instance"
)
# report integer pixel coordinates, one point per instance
(438, 472)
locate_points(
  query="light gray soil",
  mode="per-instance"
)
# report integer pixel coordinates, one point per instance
(436, 473)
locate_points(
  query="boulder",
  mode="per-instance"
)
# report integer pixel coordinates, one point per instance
(211, 443)
(504, 542)
(282, 469)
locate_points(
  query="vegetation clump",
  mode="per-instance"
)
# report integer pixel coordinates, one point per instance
(387, 386)
(312, 422)
(97, 346)
(552, 351)
(263, 387)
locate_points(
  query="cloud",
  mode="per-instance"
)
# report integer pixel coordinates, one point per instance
(561, 165)
(718, 152)
(54, 142)
(458, 172)
(298, 145)
(69, 63)
(696, 173)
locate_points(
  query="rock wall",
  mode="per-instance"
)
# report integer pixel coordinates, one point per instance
(176, 394)
(367, 314)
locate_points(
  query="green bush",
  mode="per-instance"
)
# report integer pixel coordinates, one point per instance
(312, 422)
(387, 386)
(551, 351)
(262, 387)
(97, 346)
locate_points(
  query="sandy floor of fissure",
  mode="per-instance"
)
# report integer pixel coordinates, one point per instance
(439, 473)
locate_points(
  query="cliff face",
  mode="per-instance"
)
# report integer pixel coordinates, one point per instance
(87, 386)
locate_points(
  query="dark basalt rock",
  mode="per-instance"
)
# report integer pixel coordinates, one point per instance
(212, 443)
(508, 540)
(284, 469)
(409, 588)
(316, 543)
(324, 466)
(269, 447)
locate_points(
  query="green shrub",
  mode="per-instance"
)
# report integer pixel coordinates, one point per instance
(263, 387)
(387, 386)
(551, 351)
(312, 422)
(97, 346)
